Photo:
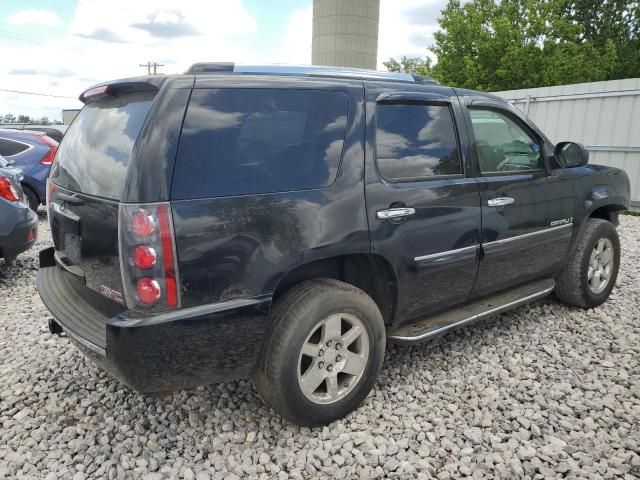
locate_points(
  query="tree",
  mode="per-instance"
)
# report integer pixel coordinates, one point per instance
(509, 44)
(413, 65)
(24, 119)
(8, 118)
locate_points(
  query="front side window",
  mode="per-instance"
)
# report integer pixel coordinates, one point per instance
(503, 146)
(416, 141)
(249, 141)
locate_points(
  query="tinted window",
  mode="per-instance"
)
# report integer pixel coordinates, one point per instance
(502, 144)
(95, 152)
(239, 141)
(9, 147)
(416, 140)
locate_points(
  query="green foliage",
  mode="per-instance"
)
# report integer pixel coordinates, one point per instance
(496, 45)
(413, 65)
(11, 118)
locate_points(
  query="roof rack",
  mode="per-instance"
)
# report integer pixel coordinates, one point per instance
(307, 70)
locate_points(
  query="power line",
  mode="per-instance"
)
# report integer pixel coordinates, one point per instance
(20, 36)
(150, 65)
(36, 93)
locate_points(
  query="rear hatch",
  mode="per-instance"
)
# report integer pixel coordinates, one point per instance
(86, 183)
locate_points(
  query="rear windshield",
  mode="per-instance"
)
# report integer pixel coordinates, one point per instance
(96, 150)
(240, 141)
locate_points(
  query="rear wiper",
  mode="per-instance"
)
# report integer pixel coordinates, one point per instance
(70, 199)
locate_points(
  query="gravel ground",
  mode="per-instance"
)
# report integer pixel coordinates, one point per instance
(542, 391)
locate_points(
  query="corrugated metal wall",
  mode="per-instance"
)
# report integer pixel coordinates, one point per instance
(604, 116)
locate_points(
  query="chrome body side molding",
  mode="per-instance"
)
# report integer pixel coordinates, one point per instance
(566, 226)
(465, 251)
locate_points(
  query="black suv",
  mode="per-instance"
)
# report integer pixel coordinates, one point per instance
(284, 223)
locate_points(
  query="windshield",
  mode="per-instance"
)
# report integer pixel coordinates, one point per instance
(96, 150)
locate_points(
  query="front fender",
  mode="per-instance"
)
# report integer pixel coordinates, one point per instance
(605, 196)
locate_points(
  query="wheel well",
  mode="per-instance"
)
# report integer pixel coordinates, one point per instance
(608, 212)
(370, 273)
(26, 186)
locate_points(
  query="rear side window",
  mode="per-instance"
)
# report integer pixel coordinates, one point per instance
(415, 141)
(242, 141)
(9, 147)
(96, 150)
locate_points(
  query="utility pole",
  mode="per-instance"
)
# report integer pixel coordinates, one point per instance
(150, 65)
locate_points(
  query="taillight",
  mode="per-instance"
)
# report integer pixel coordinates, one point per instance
(148, 290)
(148, 257)
(144, 257)
(94, 93)
(8, 190)
(143, 223)
(53, 148)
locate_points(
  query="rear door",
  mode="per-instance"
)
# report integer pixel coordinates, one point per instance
(86, 183)
(423, 210)
(527, 212)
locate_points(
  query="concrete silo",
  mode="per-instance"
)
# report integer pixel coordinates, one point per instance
(345, 33)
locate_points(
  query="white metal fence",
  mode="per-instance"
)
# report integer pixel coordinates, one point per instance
(604, 116)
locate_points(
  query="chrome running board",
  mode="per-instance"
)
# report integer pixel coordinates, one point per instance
(438, 324)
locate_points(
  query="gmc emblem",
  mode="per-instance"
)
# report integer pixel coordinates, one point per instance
(112, 294)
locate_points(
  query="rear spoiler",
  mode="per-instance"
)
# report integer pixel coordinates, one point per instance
(118, 87)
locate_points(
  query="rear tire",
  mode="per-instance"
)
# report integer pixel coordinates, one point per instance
(590, 274)
(323, 352)
(32, 198)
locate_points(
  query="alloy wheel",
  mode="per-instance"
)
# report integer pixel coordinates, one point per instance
(601, 265)
(333, 358)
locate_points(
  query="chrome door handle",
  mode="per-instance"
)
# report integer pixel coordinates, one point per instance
(500, 201)
(391, 213)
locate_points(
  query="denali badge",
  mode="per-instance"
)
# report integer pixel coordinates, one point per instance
(112, 294)
(562, 221)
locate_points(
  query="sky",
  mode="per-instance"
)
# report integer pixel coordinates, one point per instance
(62, 47)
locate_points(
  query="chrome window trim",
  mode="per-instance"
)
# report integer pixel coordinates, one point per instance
(530, 234)
(445, 253)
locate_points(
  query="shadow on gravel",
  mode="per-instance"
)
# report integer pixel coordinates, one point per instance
(210, 406)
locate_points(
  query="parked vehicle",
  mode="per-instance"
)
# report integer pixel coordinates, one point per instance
(284, 223)
(55, 132)
(33, 153)
(18, 224)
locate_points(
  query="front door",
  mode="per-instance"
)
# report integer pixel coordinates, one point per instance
(424, 213)
(527, 213)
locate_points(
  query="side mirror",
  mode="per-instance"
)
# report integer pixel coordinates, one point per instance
(571, 154)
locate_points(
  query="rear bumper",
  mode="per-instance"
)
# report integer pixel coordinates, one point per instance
(160, 352)
(16, 241)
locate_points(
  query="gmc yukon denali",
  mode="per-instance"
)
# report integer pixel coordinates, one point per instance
(284, 223)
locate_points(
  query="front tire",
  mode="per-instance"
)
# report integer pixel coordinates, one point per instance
(323, 352)
(590, 274)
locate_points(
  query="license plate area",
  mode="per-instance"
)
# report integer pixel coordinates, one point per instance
(65, 228)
